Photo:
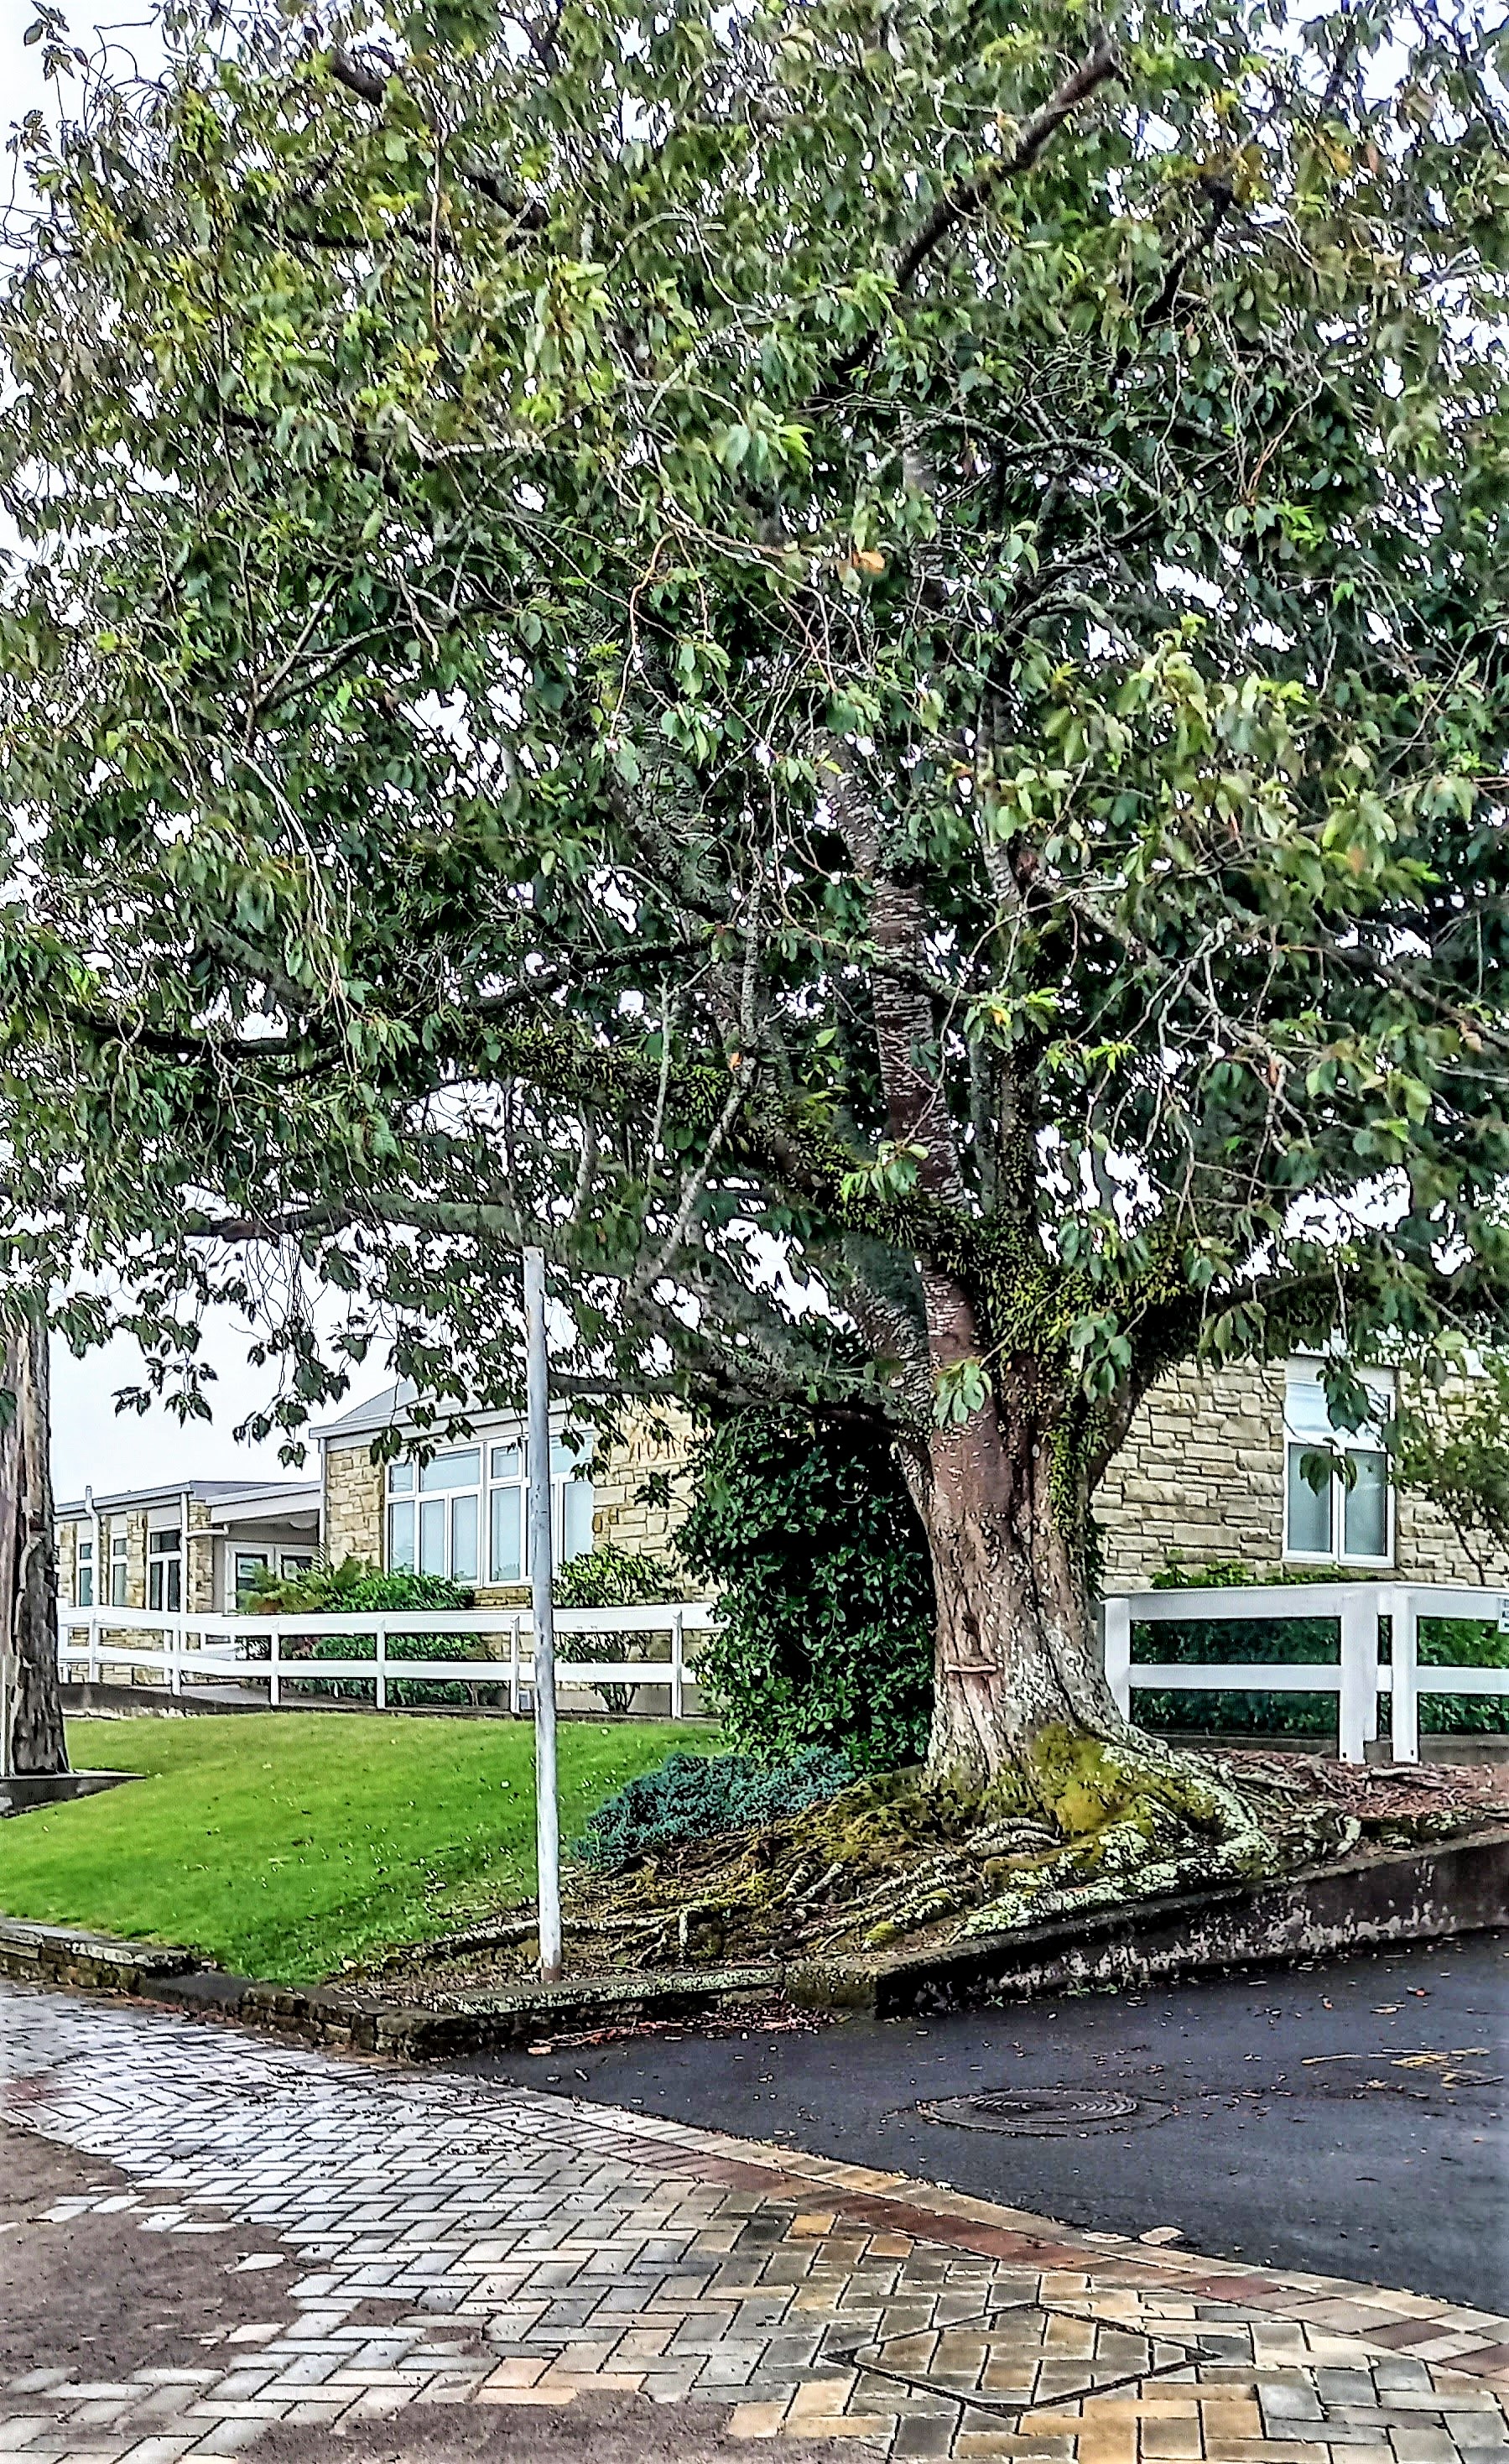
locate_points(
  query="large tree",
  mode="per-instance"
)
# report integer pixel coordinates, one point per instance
(31, 1697)
(842, 657)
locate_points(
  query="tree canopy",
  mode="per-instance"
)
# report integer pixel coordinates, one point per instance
(844, 659)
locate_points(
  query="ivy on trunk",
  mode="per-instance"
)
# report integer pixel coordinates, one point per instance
(842, 660)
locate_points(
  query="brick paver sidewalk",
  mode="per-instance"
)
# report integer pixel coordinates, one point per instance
(523, 2249)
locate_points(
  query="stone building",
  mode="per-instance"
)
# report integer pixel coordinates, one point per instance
(462, 1513)
(1211, 1470)
(194, 1545)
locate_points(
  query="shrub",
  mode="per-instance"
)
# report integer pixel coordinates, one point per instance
(825, 1635)
(611, 1579)
(354, 1589)
(1443, 1642)
(693, 1796)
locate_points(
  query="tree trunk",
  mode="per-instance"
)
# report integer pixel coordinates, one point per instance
(1006, 1515)
(30, 1696)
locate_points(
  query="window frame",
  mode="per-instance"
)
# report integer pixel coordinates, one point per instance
(165, 1571)
(405, 1497)
(1348, 1441)
(120, 1569)
(84, 1572)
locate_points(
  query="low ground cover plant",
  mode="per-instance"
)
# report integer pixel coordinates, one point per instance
(693, 1796)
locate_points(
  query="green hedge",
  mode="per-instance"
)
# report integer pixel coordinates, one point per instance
(1443, 1642)
(402, 1689)
(824, 1633)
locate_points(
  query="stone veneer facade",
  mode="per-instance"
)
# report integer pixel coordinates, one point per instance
(1202, 1473)
(651, 1445)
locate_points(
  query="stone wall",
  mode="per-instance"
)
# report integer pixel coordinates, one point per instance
(354, 1487)
(1201, 1472)
(652, 1443)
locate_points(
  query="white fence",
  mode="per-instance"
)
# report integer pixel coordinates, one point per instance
(253, 1650)
(1358, 1675)
(250, 1650)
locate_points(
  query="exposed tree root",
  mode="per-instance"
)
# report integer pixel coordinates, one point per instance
(899, 1859)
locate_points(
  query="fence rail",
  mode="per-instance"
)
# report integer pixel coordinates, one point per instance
(1359, 1676)
(253, 1650)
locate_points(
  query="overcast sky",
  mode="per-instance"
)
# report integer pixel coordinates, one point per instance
(90, 1441)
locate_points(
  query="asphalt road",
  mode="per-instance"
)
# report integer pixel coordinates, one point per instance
(1347, 2116)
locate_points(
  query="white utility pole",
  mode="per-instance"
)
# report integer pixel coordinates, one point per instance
(547, 1809)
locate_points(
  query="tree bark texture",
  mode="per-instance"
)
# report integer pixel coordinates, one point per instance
(1016, 1651)
(28, 1550)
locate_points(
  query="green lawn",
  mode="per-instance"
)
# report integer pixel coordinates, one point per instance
(281, 1843)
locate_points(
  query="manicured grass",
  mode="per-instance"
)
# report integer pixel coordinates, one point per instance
(282, 1843)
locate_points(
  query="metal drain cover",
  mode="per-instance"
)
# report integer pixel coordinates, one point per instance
(1044, 2112)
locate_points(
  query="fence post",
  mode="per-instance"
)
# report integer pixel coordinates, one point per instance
(275, 1690)
(382, 1668)
(512, 1669)
(175, 1659)
(94, 1650)
(1357, 1699)
(678, 1665)
(1116, 1613)
(1404, 1698)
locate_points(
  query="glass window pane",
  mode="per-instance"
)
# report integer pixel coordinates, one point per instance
(1365, 1512)
(85, 1587)
(86, 1551)
(464, 1538)
(433, 1536)
(460, 1468)
(117, 1583)
(400, 1539)
(401, 1479)
(163, 1544)
(1309, 1509)
(249, 1565)
(175, 1585)
(507, 1562)
(154, 1587)
(578, 1519)
(569, 1452)
(508, 1462)
(1305, 1408)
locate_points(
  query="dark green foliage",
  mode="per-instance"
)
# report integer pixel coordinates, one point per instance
(825, 1633)
(692, 1797)
(1444, 1642)
(611, 1579)
(354, 1589)
(405, 1690)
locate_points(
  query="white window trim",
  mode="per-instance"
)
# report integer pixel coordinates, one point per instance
(1346, 1441)
(485, 1436)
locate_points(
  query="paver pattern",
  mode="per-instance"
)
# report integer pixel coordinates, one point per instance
(461, 2243)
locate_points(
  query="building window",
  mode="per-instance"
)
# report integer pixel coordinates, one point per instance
(1348, 1520)
(83, 1574)
(120, 1547)
(164, 1571)
(293, 1562)
(249, 1564)
(467, 1504)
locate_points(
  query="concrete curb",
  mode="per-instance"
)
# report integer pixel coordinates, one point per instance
(1454, 1886)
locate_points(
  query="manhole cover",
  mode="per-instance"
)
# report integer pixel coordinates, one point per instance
(1044, 2112)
